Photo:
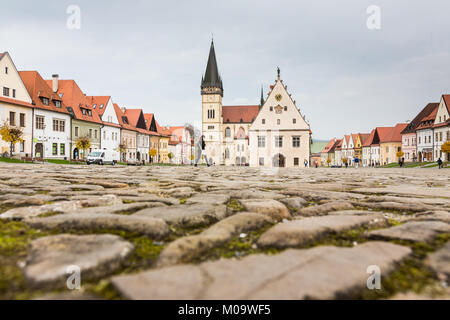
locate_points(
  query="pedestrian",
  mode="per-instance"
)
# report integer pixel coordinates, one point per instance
(356, 162)
(200, 150)
(439, 162)
(306, 163)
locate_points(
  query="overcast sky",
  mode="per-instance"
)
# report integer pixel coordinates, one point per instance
(151, 54)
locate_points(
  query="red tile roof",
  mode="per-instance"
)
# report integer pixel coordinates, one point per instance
(428, 120)
(37, 87)
(369, 139)
(17, 102)
(73, 97)
(447, 101)
(395, 134)
(122, 117)
(99, 103)
(244, 114)
(329, 145)
(364, 137)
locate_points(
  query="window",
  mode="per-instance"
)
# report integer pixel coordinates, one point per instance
(90, 133)
(59, 125)
(296, 142)
(45, 101)
(261, 142)
(387, 149)
(22, 146)
(285, 108)
(55, 149)
(261, 161)
(76, 131)
(6, 70)
(58, 103)
(278, 142)
(104, 135)
(211, 114)
(263, 121)
(296, 162)
(22, 120)
(440, 136)
(227, 132)
(83, 111)
(40, 122)
(89, 112)
(271, 108)
(12, 118)
(437, 136)
(6, 92)
(210, 127)
(14, 93)
(94, 106)
(294, 121)
(278, 121)
(62, 149)
(95, 134)
(227, 153)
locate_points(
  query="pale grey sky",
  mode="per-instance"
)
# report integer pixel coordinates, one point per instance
(151, 54)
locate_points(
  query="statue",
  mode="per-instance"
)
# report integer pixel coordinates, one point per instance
(278, 71)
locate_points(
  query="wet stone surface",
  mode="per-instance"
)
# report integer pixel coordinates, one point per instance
(171, 232)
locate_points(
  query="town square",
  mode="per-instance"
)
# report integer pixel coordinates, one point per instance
(224, 157)
(158, 232)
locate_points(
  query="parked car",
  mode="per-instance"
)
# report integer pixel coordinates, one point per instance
(133, 162)
(102, 157)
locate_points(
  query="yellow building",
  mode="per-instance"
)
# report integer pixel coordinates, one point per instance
(391, 143)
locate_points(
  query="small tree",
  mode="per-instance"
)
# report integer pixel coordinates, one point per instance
(153, 152)
(328, 161)
(11, 135)
(344, 160)
(400, 154)
(170, 156)
(445, 148)
(83, 143)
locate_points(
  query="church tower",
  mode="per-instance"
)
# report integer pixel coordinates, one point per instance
(212, 121)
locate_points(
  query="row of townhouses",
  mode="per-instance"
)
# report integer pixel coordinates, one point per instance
(54, 114)
(419, 140)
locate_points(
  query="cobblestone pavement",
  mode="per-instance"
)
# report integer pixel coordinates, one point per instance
(168, 232)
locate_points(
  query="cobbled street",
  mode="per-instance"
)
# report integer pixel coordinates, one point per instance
(172, 232)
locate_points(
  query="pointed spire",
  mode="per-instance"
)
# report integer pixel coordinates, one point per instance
(212, 76)
(278, 72)
(262, 97)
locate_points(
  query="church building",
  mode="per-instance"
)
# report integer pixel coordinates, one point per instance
(271, 134)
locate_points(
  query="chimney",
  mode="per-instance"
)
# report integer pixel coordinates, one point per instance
(124, 109)
(55, 82)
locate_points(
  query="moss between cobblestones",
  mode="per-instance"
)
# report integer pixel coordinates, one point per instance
(411, 274)
(234, 205)
(238, 247)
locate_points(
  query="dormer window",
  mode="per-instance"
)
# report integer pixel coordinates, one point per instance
(125, 119)
(89, 113)
(101, 106)
(83, 111)
(45, 101)
(93, 107)
(58, 103)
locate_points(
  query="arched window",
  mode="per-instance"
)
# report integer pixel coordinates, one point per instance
(227, 132)
(227, 153)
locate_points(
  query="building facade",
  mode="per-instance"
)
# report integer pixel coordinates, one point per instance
(441, 128)
(16, 107)
(271, 134)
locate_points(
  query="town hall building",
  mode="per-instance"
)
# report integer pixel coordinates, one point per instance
(271, 134)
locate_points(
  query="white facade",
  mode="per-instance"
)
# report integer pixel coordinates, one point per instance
(366, 156)
(425, 142)
(279, 136)
(375, 154)
(442, 129)
(110, 134)
(15, 106)
(143, 146)
(53, 138)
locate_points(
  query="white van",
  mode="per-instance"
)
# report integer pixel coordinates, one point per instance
(99, 156)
